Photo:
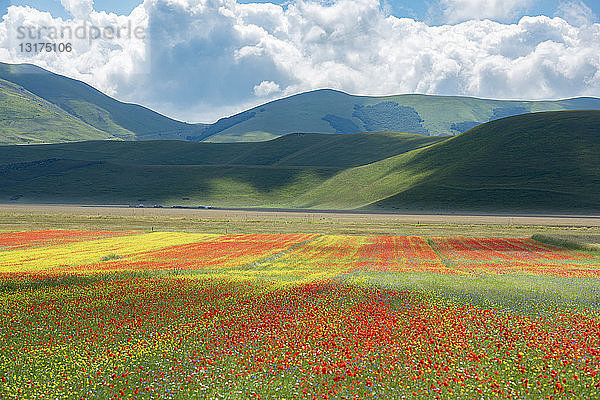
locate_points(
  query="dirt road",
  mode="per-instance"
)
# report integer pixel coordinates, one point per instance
(306, 216)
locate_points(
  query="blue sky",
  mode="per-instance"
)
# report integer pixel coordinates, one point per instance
(419, 10)
(57, 10)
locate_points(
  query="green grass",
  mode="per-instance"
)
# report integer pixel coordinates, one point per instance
(525, 294)
(26, 118)
(307, 150)
(534, 162)
(69, 181)
(242, 137)
(94, 107)
(268, 174)
(305, 113)
(543, 162)
(583, 242)
(226, 222)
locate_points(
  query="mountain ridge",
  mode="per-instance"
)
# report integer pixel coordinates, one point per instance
(27, 118)
(95, 108)
(325, 111)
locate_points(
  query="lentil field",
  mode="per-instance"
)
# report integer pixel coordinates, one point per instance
(133, 315)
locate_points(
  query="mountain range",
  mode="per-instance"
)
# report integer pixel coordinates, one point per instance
(330, 111)
(37, 106)
(42, 107)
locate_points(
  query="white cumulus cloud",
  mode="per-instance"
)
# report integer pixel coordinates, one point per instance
(463, 10)
(202, 59)
(78, 8)
(266, 88)
(576, 12)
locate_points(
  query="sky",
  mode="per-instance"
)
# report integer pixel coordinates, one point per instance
(200, 60)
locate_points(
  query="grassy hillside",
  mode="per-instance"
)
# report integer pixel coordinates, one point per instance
(330, 111)
(95, 108)
(535, 162)
(269, 174)
(27, 118)
(340, 151)
(90, 182)
(93, 115)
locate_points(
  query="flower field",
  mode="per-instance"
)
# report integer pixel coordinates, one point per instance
(135, 315)
(23, 240)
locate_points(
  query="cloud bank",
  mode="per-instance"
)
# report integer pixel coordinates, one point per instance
(576, 12)
(202, 59)
(462, 10)
(78, 8)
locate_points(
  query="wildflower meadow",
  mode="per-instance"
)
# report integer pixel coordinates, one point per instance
(133, 315)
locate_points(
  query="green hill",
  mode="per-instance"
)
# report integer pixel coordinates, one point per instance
(330, 111)
(535, 162)
(27, 118)
(269, 174)
(94, 107)
(86, 113)
(313, 150)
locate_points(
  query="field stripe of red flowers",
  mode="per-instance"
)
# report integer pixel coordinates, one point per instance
(22, 240)
(295, 317)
